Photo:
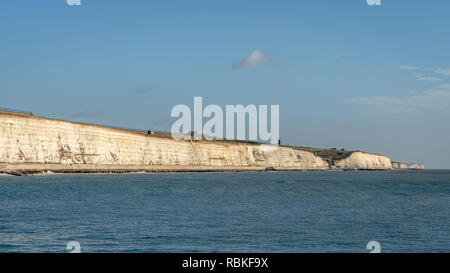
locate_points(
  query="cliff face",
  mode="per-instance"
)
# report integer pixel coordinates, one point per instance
(359, 160)
(416, 166)
(34, 143)
(402, 166)
(39, 140)
(398, 165)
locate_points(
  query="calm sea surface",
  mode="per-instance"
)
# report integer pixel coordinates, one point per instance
(405, 211)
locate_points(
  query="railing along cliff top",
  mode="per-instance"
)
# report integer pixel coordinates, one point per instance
(15, 111)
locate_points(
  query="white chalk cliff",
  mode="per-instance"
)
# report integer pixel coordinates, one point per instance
(360, 160)
(35, 143)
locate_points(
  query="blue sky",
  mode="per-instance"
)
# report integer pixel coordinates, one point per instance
(345, 74)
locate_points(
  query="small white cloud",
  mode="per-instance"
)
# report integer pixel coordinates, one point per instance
(422, 77)
(416, 68)
(433, 99)
(407, 67)
(441, 71)
(255, 59)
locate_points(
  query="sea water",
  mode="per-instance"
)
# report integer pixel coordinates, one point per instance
(319, 211)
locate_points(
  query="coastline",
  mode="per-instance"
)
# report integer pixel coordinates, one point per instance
(39, 169)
